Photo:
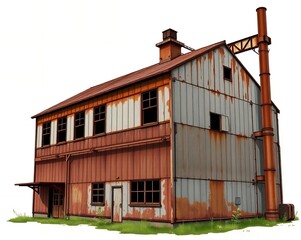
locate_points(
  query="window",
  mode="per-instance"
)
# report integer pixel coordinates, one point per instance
(46, 133)
(149, 106)
(61, 129)
(98, 194)
(227, 74)
(79, 125)
(215, 121)
(99, 119)
(145, 192)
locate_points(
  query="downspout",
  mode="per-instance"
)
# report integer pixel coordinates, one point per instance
(67, 183)
(267, 127)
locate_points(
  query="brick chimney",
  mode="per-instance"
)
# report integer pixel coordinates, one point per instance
(170, 48)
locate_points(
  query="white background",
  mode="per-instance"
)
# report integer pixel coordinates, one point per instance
(51, 50)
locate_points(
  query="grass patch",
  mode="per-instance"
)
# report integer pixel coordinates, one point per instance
(143, 227)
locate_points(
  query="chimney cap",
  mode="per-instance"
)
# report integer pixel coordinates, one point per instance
(169, 33)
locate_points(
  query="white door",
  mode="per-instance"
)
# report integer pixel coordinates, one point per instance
(116, 204)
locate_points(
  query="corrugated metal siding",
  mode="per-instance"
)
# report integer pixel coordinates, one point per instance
(203, 154)
(51, 171)
(205, 199)
(70, 127)
(41, 200)
(39, 136)
(145, 162)
(80, 202)
(89, 122)
(163, 104)
(230, 159)
(123, 114)
(192, 106)
(53, 132)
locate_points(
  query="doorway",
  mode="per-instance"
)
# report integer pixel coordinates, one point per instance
(116, 204)
(56, 203)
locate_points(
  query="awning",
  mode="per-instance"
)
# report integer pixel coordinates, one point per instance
(36, 185)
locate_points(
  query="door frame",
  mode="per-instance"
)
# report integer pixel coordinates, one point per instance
(112, 202)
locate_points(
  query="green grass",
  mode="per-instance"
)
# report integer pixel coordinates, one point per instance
(143, 227)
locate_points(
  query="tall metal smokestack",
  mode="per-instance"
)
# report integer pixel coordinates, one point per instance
(266, 109)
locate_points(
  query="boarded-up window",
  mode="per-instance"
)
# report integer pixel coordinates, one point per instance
(99, 119)
(79, 125)
(46, 133)
(149, 107)
(145, 192)
(98, 194)
(61, 129)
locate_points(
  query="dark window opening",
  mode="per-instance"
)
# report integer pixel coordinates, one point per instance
(227, 74)
(99, 119)
(61, 129)
(79, 125)
(149, 107)
(46, 134)
(98, 193)
(145, 192)
(215, 121)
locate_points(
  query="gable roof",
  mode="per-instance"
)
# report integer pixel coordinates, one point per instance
(131, 78)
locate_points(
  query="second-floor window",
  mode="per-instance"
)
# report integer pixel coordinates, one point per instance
(46, 133)
(79, 125)
(149, 107)
(61, 129)
(99, 119)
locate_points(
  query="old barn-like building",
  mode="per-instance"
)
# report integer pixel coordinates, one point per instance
(176, 141)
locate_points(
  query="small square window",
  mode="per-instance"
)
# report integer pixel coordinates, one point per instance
(98, 193)
(227, 74)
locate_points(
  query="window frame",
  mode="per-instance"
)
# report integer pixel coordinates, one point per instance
(149, 107)
(99, 120)
(48, 134)
(58, 131)
(225, 68)
(145, 203)
(98, 195)
(81, 125)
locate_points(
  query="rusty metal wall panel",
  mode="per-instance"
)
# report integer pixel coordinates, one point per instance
(205, 154)
(275, 125)
(89, 122)
(192, 106)
(39, 136)
(70, 127)
(81, 195)
(261, 198)
(50, 171)
(152, 161)
(123, 114)
(41, 200)
(163, 103)
(205, 199)
(53, 132)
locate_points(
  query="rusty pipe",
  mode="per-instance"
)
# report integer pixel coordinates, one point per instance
(266, 110)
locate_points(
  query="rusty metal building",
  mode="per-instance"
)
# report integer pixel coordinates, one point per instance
(176, 141)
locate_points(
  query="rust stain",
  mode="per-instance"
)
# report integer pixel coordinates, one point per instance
(246, 80)
(185, 210)
(210, 55)
(215, 92)
(222, 53)
(216, 135)
(165, 197)
(233, 65)
(107, 210)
